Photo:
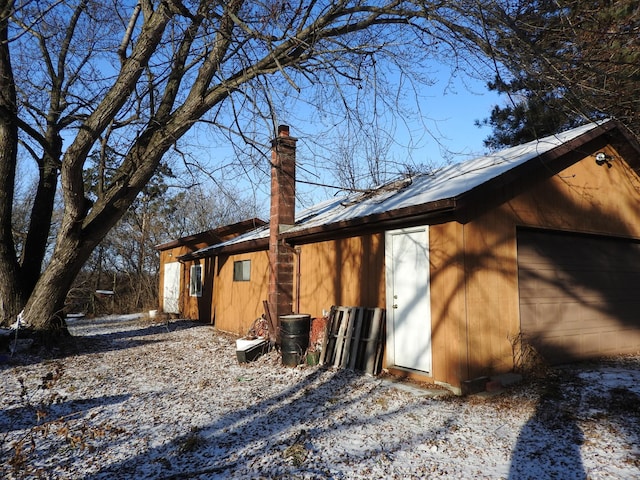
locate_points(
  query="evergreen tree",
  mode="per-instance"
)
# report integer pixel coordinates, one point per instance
(568, 61)
(528, 114)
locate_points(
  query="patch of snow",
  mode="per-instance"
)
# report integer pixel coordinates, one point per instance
(19, 323)
(135, 399)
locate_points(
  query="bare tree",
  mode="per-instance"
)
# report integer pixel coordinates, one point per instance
(80, 75)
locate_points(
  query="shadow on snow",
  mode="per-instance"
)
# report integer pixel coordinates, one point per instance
(240, 439)
(82, 344)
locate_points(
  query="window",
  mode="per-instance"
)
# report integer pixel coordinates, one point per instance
(195, 281)
(242, 271)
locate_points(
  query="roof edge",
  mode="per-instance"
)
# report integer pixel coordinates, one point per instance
(437, 212)
(241, 247)
(219, 232)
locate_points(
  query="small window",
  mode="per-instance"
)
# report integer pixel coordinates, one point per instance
(195, 281)
(242, 271)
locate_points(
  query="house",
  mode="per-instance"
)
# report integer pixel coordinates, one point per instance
(533, 247)
(185, 286)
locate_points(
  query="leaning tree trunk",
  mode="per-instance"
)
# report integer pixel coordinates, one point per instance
(44, 310)
(83, 227)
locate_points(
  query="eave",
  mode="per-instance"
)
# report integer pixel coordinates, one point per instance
(432, 212)
(243, 247)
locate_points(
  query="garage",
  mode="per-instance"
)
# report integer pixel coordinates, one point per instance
(579, 294)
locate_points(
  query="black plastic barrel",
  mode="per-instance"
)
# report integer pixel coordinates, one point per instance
(294, 338)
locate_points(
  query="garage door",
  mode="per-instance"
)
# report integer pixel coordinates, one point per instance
(579, 295)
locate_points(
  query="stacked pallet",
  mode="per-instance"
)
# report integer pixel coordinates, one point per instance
(354, 339)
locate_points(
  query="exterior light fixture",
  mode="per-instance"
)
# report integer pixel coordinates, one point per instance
(603, 159)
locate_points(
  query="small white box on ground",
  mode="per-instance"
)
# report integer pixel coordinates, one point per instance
(249, 350)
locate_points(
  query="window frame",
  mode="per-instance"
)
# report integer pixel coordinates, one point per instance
(195, 280)
(242, 270)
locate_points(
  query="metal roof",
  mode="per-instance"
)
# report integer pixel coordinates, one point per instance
(428, 192)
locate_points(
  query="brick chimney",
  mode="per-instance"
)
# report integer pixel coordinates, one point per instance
(281, 259)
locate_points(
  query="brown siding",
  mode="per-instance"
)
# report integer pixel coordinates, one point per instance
(197, 308)
(237, 304)
(348, 272)
(491, 280)
(339, 272)
(584, 197)
(448, 315)
(172, 254)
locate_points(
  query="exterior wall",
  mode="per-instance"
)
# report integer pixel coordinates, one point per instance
(348, 272)
(595, 199)
(168, 256)
(194, 307)
(190, 307)
(491, 292)
(583, 198)
(448, 308)
(236, 305)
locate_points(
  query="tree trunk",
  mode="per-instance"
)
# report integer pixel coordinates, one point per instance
(35, 246)
(11, 299)
(44, 310)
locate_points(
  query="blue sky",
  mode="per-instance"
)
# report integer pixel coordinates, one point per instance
(453, 112)
(449, 110)
(446, 134)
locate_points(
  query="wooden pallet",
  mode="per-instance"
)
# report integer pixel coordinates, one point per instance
(354, 339)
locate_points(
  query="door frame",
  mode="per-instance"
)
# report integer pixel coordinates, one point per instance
(389, 285)
(167, 289)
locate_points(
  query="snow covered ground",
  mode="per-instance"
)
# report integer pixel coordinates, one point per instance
(132, 399)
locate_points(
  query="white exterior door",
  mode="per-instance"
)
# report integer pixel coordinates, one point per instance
(171, 288)
(408, 298)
